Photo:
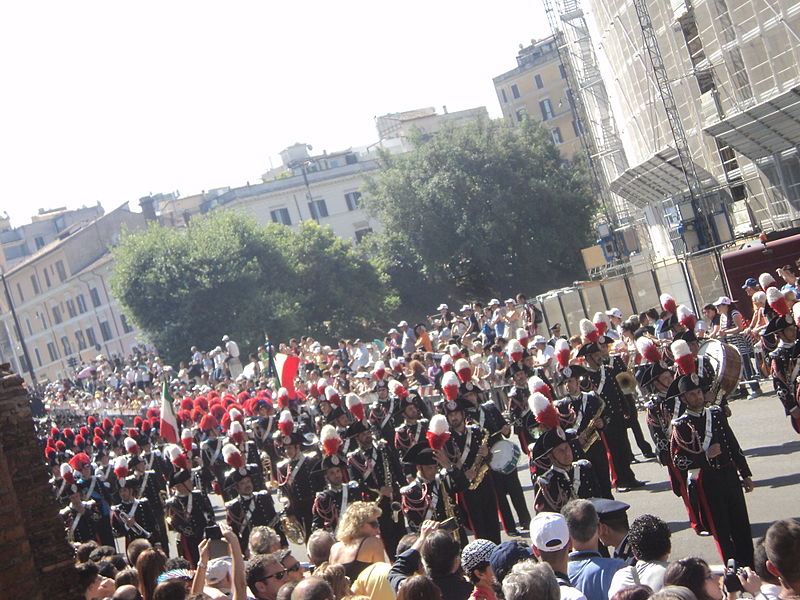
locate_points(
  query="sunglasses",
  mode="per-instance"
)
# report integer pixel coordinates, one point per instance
(282, 573)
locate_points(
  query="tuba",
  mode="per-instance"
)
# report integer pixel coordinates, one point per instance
(626, 382)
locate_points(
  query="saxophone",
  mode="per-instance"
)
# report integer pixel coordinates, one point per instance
(387, 481)
(591, 435)
(480, 465)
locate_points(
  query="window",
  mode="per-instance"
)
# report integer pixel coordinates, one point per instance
(281, 215)
(91, 337)
(62, 272)
(556, 133)
(19, 291)
(521, 114)
(51, 350)
(515, 91)
(38, 356)
(105, 330)
(125, 326)
(95, 295)
(318, 209)
(503, 95)
(539, 82)
(56, 315)
(353, 200)
(563, 71)
(39, 244)
(65, 345)
(35, 284)
(71, 308)
(28, 323)
(360, 233)
(46, 277)
(23, 363)
(79, 337)
(547, 109)
(81, 303)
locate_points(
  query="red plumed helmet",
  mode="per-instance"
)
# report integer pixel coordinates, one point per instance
(562, 352)
(543, 410)
(119, 422)
(766, 281)
(137, 421)
(121, 467)
(226, 422)
(80, 441)
(777, 301)
(515, 350)
(67, 474)
(668, 303)
(201, 402)
(107, 424)
(589, 332)
(450, 385)
(237, 432)
(397, 389)
(187, 439)
(97, 441)
(69, 433)
(446, 362)
(84, 432)
(60, 446)
(330, 439)
(322, 383)
(153, 413)
(686, 317)
(283, 398)
(601, 322)
(396, 365)
(217, 410)
(209, 422)
(91, 421)
(146, 426)
(131, 447)
(79, 461)
(648, 349)
(463, 370)
(196, 416)
(332, 395)
(683, 357)
(117, 431)
(355, 406)
(99, 432)
(285, 423)
(438, 432)
(176, 457)
(537, 384)
(54, 431)
(232, 456)
(187, 404)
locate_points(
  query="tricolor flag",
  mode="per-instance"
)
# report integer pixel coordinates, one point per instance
(284, 367)
(169, 422)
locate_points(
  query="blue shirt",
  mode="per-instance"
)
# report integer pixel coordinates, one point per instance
(591, 573)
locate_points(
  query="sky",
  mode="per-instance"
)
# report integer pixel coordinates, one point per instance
(110, 101)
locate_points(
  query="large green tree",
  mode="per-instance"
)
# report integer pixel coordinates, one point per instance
(478, 211)
(226, 274)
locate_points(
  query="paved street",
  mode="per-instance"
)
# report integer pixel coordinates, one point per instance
(771, 446)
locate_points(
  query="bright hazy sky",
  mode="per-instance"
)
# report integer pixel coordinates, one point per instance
(109, 101)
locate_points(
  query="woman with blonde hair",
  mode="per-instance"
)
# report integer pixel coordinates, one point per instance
(336, 578)
(359, 543)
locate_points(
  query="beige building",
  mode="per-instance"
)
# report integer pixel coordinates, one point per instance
(537, 89)
(733, 69)
(424, 120)
(62, 298)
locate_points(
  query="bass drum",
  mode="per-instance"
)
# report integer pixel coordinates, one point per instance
(505, 456)
(727, 363)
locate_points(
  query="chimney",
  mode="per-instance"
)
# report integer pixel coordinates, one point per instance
(444, 108)
(148, 208)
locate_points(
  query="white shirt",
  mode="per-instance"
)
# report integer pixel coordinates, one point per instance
(232, 348)
(650, 574)
(571, 593)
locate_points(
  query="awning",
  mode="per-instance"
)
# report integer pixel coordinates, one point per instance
(655, 179)
(764, 129)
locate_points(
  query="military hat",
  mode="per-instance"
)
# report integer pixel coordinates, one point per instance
(419, 454)
(588, 348)
(332, 460)
(131, 483)
(334, 414)
(468, 387)
(294, 439)
(651, 372)
(133, 460)
(234, 476)
(687, 336)
(517, 367)
(552, 438)
(454, 405)
(179, 476)
(608, 510)
(571, 371)
(604, 339)
(354, 429)
(413, 397)
(777, 324)
(380, 384)
(688, 383)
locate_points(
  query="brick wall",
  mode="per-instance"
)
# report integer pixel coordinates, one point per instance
(35, 559)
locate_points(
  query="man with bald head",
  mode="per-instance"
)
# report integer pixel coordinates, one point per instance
(126, 592)
(313, 588)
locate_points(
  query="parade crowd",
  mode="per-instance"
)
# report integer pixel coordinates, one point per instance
(394, 462)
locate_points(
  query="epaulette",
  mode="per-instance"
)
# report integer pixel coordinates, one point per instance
(261, 493)
(283, 463)
(408, 488)
(230, 503)
(582, 463)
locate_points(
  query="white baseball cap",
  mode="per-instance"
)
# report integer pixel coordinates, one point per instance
(442, 306)
(403, 324)
(494, 301)
(722, 300)
(539, 339)
(465, 308)
(549, 532)
(614, 312)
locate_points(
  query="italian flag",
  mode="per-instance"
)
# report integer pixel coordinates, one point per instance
(284, 368)
(169, 422)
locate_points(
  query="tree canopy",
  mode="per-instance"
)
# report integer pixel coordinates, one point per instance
(479, 211)
(225, 274)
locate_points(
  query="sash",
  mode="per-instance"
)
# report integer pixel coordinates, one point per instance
(435, 493)
(389, 413)
(576, 479)
(295, 469)
(707, 435)
(90, 491)
(215, 454)
(345, 491)
(132, 510)
(74, 525)
(582, 413)
(465, 452)
(149, 463)
(602, 379)
(265, 433)
(369, 464)
(482, 414)
(144, 481)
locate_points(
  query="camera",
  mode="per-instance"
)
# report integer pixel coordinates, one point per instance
(448, 525)
(213, 533)
(731, 581)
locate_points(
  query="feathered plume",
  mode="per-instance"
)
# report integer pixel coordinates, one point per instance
(232, 456)
(131, 447)
(355, 406)
(686, 317)
(543, 410)
(438, 432)
(454, 351)
(283, 398)
(683, 357)
(515, 350)
(562, 352)
(648, 349)
(766, 281)
(379, 370)
(285, 423)
(589, 332)
(330, 439)
(332, 395)
(522, 335)
(777, 301)
(121, 467)
(537, 384)
(397, 389)
(67, 474)
(322, 383)
(395, 365)
(601, 321)
(446, 362)
(176, 457)
(463, 370)
(668, 303)
(187, 439)
(237, 432)
(450, 385)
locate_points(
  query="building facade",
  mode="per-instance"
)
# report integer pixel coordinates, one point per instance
(425, 121)
(45, 227)
(537, 89)
(707, 111)
(62, 298)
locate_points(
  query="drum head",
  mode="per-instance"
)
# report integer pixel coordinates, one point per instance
(505, 456)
